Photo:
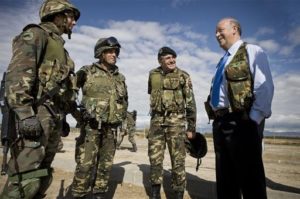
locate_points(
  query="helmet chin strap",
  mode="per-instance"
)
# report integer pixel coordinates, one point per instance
(69, 34)
(61, 23)
(65, 27)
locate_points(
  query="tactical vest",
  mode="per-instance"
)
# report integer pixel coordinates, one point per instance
(239, 81)
(105, 95)
(56, 70)
(166, 94)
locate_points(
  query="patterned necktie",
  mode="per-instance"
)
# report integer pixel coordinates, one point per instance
(215, 94)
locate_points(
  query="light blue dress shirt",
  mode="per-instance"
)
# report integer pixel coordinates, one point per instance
(263, 82)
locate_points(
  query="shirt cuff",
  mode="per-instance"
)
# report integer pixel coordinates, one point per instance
(256, 116)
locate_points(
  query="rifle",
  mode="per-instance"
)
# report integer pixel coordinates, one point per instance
(8, 126)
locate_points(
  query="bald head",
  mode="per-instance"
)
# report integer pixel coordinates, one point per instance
(228, 31)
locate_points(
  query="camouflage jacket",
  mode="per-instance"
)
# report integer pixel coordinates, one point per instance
(104, 93)
(171, 98)
(39, 63)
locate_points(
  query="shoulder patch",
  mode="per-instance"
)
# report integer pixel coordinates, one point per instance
(27, 36)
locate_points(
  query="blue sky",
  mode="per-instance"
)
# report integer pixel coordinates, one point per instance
(187, 26)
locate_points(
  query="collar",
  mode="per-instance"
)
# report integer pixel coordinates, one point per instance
(113, 70)
(162, 71)
(51, 28)
(234, 48)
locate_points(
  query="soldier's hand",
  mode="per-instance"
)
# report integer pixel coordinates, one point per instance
(85, 116)
(190, 135)
(30, 128)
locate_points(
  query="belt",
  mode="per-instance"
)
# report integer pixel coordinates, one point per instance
(166, 114)
(221, 112)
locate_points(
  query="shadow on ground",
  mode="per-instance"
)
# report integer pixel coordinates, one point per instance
(196, 187)
(118, 170)
(281, 187)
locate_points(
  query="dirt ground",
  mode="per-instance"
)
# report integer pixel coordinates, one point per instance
(130, 172)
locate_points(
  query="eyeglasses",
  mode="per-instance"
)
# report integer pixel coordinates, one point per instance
(111, 42)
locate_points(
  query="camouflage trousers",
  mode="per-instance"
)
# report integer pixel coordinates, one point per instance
(131, 139)
(33, 160)
(95, 149)
(172, 136)
(60, 145)
(131, 136)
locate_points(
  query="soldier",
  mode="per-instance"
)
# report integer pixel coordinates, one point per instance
(41, 90)
(128, 127)
(172, 105)
(104, 105)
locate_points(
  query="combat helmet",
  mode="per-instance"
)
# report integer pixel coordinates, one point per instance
(52, 7)
(197, 147)
(105, 44)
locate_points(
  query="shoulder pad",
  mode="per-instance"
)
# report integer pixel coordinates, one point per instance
(86, 68)
(121, 77)
(156, 70)
(184, 73)
(29, 32)
(33, 26)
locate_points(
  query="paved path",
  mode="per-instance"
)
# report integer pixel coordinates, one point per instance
(130, 167)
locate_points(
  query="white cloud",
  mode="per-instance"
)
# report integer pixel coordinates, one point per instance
(193, 35)
(294, 36)
(265, 31)
(270, 46)
(293, 41)
(12, 22)
(286, 106)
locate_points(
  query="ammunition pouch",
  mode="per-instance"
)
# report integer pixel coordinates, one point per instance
(30, 128)
(90, 119)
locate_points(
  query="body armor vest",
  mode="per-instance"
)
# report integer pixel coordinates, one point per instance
(56, 70)
(239, 81)
(105, 95)
(166, 94)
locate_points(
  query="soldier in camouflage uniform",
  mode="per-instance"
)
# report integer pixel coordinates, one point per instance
(128, 127)
(104, 105)
(39, 64)
(173, 108)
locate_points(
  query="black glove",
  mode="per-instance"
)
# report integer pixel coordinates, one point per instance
(65, 129)
(30, 128)
(86, 116)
